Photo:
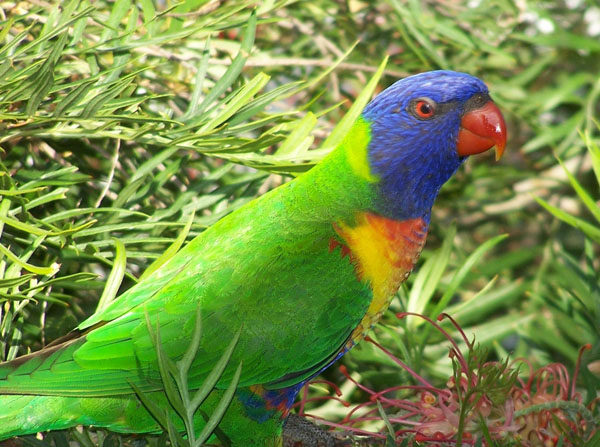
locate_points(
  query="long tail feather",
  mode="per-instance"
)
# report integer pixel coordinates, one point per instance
(21, 415)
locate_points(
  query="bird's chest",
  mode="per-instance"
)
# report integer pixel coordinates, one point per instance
(384, 252)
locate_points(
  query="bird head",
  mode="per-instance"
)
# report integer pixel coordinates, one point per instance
(422, 128)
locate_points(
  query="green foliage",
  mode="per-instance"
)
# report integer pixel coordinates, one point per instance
(174, 376)
(483, 381)
(573, 292)
(121, 120)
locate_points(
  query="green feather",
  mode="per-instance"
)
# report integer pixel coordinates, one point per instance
(266, 269)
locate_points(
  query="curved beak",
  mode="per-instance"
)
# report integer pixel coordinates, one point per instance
(480, 129)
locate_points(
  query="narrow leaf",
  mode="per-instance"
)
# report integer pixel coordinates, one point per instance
(343, 127)
(589, 229)
(157, 413)
(29, 267)
(128, 191)
(165, 366)
(18, 192)
(23, 226)
(215, 374)
(234, 69)
(170, 252)
(428, 278)
(297, 138)
(200, 76)
(241, 98)
(587, 200)
(14, 282)
(73, 98)
(115, 278)
(44, 78)
(462, 272)
(594, 153)
(96, 103)
(190, 354)
(219, 411)
(118, 12)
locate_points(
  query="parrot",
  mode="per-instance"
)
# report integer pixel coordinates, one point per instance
(297, 276)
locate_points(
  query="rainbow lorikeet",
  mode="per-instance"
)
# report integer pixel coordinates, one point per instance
(301, 273)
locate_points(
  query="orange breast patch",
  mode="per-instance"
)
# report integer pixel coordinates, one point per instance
(384, 252)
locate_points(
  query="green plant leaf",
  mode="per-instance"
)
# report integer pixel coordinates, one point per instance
(115, 278)
(587, 200)
(343, 127)
(428, 277)
(169, 252)
(590, 230)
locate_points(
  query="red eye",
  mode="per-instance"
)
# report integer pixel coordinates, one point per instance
(424, 109)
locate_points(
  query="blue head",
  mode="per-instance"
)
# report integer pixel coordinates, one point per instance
(415, 126)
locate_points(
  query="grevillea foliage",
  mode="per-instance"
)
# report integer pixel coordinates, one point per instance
(483, 403)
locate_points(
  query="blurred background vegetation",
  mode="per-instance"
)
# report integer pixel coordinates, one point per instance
(118, 120)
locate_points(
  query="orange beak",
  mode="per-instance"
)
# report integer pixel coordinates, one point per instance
(480, 129)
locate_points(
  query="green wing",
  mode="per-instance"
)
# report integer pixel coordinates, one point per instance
(266, 270)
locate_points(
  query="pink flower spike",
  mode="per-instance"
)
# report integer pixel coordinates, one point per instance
(401, 363)
(577, 367)
(357, 431)
(303, 400)
(461, 359)
(344, 371)
(458, 328)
